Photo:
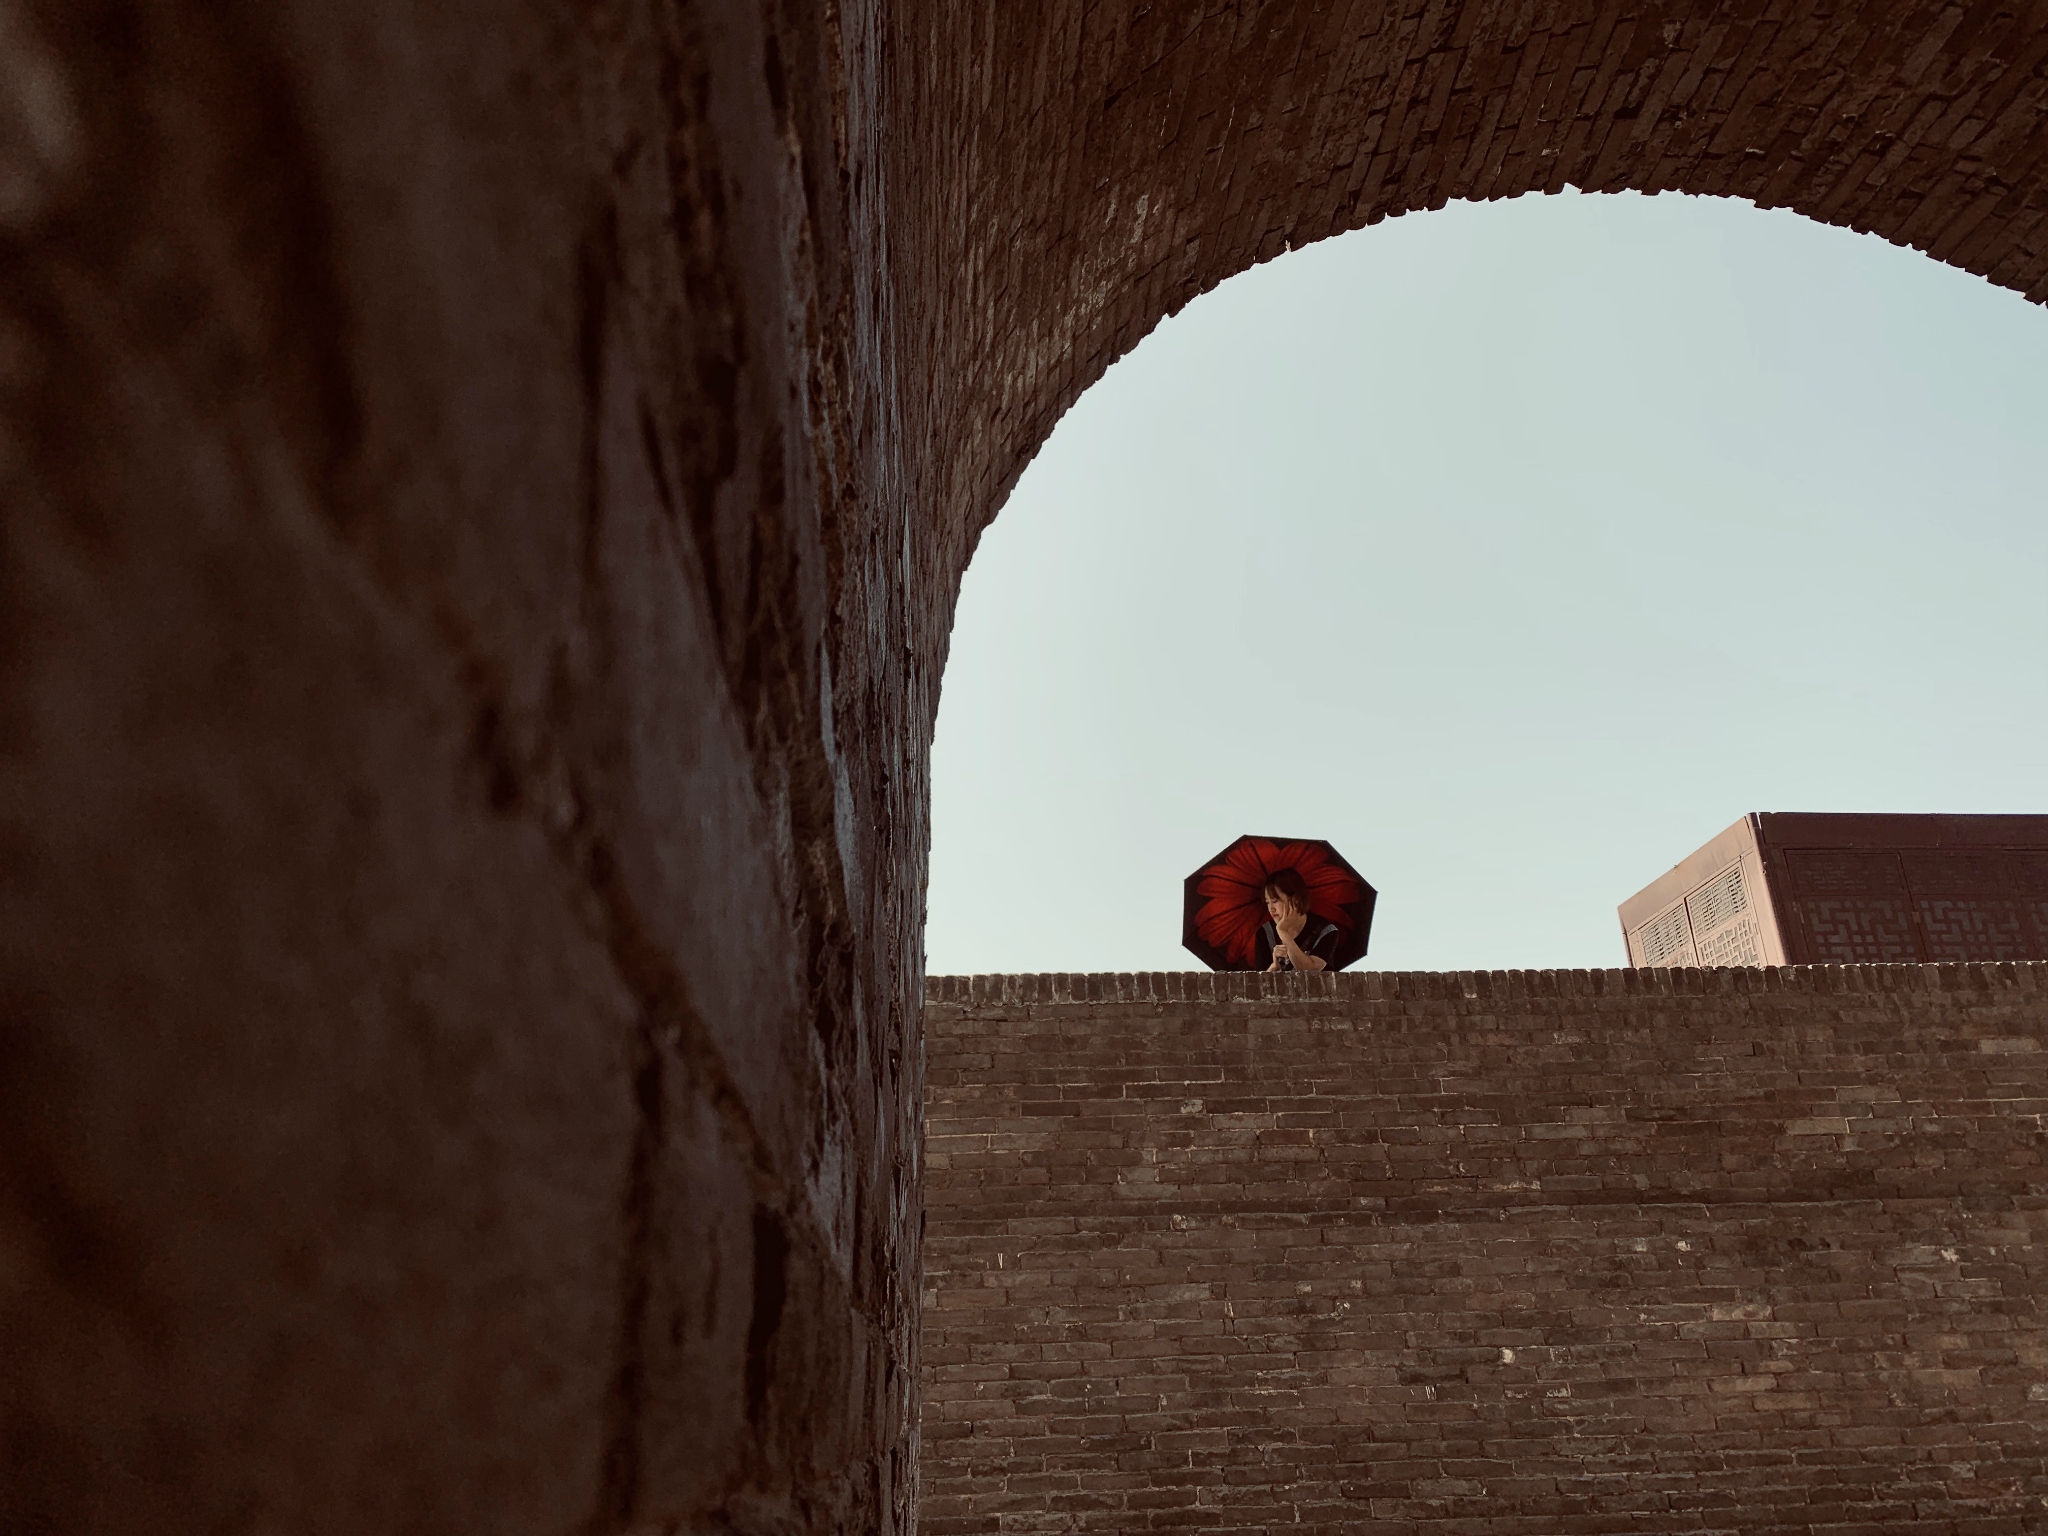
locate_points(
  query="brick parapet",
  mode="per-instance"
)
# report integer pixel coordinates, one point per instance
(1055, 988)
(1493, 1251)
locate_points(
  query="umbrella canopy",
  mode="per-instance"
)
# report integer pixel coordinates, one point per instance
(1225, 903)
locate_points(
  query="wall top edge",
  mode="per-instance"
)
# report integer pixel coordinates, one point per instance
(1346, 986)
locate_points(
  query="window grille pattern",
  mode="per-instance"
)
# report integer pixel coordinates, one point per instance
(1722, 929)
(1837, 872)
(1849, 932)
(1735, 944)
(1719, 901)
(1863, 906)
(2030, 882)
(1667, 939)
(1974, 928)
(1958, 874)
(1853, 906)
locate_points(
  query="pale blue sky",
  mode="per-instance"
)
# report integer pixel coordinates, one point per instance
(1516, 549)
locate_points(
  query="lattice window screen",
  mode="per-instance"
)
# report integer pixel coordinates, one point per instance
(1974, 928)
(1967, 906)
(1666, 939)
(2030, 882)
(1854, 906)
(1718, 901)
(1723, 930)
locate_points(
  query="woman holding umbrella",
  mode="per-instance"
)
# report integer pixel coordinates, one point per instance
(1292, 939)
(1276, 904)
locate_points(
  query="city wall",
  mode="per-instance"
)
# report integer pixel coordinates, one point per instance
(1646, 1251)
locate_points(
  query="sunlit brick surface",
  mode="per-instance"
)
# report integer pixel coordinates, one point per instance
(1732, 1251)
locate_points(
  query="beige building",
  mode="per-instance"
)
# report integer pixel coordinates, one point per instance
(1782, 888)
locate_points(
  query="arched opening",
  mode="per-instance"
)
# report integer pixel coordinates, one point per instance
(1595, 522)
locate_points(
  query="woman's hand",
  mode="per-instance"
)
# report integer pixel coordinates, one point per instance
(1288, 928)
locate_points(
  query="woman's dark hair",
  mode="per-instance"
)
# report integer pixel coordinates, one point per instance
(1288, 883)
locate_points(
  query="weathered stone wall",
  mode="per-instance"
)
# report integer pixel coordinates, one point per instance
(1645, 1251)
(458, 1069)
(485, 485)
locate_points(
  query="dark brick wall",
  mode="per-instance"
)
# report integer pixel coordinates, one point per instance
(457, 1014)
(1643, 1251)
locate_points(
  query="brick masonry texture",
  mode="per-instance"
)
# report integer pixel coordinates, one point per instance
(1096, 166)
(1515, 1252)
(485, 487)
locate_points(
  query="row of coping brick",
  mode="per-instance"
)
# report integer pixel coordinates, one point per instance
(1437, 986)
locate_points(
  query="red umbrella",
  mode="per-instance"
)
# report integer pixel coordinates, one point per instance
(1225, 902)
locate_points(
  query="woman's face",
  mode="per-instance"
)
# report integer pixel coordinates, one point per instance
(1278, 906)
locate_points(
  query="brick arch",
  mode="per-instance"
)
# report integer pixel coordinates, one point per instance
(1104, 165)
(1069, 176)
